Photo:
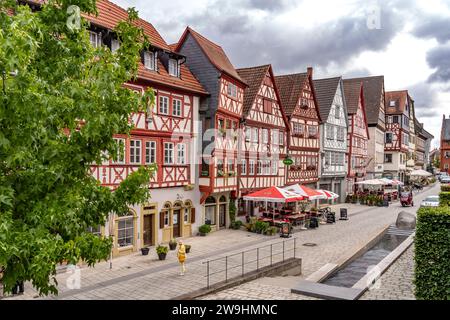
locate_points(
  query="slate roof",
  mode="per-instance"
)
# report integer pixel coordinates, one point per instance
(373, 95)
(254, 77)
(290, 88)
(352, 92)
(214, 53)
(400, 98)
(446, 129)
(325, 92)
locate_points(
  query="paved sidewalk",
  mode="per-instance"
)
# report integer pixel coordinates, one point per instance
(144, 277)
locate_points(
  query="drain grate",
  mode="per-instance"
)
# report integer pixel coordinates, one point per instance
(310, 244)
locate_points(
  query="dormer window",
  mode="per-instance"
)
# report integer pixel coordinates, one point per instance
(150, 60)
(232, 90)
(115, 45)
(95, 39)
(174, 68)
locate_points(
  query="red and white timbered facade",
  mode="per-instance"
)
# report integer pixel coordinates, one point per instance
(264, 131)
(298, 96)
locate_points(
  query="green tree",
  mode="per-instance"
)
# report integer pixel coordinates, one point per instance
(61, 102)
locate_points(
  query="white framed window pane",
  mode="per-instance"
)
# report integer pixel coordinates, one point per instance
(181, 153)
(168, 153)
(244, 167)
(115, 45)
(95, 39)
(173, 67)
(274, 168)
(125, 232)
(164, 105)
(176, 104)
(252, 167)
(120, 151)
(150, 152)
(210, 215)
(135, 151)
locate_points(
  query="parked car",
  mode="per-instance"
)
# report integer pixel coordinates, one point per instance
(445, 179)
(442, 175)
(431, 201)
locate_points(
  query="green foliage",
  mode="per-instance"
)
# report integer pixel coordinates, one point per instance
(271, 231)
(236, 225)
(205, 229)
(162, 249)
(444, 199)
(445, 188)
(261, 227)
(62, 103)
(232, 210)
(432, 254)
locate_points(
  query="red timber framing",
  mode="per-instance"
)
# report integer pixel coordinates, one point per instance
(397, 121)
(163, 134)
(299, 101)
(358, 132)
(264, 131)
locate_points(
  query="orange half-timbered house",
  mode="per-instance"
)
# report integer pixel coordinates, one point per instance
(264, 131)
(220, 115)
(358, 133)
(299, 101)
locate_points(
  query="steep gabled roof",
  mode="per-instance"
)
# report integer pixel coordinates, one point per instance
(400, 98)
(213, 52)
(373, 95)
(352, 93)
(326, 90)
(290, 88)
(446, 129)
(254, 78)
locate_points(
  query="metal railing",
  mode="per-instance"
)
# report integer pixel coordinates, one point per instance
(238, 265)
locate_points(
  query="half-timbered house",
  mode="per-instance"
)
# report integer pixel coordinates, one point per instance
(358, 133)
(299, 102)
(445, 145)
(164, 134)
(333, 140)
(374, 96)
(220, 115)
(397, 134)
(263, 139)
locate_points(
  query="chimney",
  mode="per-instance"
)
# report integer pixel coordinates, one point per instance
(310, 71)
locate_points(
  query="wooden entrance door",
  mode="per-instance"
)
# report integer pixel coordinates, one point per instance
(176, 223)
(148, 230)
(222, 216)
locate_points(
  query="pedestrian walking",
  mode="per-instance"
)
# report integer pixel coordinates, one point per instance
(182, 257)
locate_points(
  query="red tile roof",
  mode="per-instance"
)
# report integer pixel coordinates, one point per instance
(400, 98)
(290, 88)
(213, 52)
(254, 77)
(352, 93)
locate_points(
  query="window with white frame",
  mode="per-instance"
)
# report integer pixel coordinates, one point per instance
(96, 231)
(337, 112)
(341, 134)
(329, 132)
(274, 168)
(265, 136)
(174, 68)
(187, 212)
(275, 136)
(166, 219)
(267, 167)
(312, 131)
(259, 169)
(120, 151)
(298, 129)
(115, 45)
(232, 90)
(163, 105)
(251, 165)
(125, 232)
(168, 153)
(176, 104)
(135, 151)
(230, 166)
(255, 133)
(281, 135)
(150, 60)
(389, 137)
(181, 154)
(95, 39)
(244, 167)
(150, 152)
(248, 134)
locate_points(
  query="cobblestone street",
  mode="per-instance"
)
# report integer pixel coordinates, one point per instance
(144, 277)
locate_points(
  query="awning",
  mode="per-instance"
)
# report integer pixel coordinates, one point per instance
(305, 192)
(420, 173)
(329, 195)
(274, 194)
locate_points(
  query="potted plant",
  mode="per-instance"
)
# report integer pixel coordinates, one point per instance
(173, 244)
(188, 248)
(145, 251)
(236, 225)
(162, 252)
(204, 230)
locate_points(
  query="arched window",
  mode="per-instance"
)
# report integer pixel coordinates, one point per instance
(165, 215)
(223, 199)
(210, 211)
(187, 211)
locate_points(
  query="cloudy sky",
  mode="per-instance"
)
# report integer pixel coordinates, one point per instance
(406, 41)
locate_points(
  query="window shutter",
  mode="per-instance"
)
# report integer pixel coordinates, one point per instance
(161, 220)
(192, 215)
